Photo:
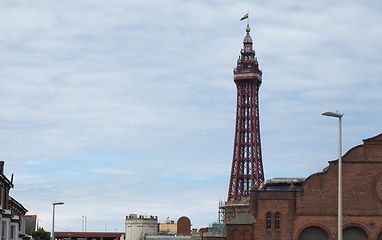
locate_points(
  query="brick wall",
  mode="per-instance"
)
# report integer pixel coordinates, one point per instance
(316, 203)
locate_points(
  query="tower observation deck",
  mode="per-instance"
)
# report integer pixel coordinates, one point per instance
(247, 165)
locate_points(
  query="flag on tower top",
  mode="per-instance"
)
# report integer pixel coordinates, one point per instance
(244, 17)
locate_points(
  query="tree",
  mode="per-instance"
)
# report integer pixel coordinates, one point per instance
(41, 234)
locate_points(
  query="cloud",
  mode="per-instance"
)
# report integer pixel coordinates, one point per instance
(129, 107)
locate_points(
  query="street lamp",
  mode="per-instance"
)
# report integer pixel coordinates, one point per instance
(339, 116)
(54, 206)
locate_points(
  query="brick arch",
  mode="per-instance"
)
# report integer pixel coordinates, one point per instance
(358, 225)
(374, 191)
(247, 235)
(377, 232)
(234, 233)
(313, 224)
(235, 229)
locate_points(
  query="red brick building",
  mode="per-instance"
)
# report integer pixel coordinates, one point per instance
(300, 209)
(89, 235)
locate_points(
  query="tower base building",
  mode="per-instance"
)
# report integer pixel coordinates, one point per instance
(305, 209)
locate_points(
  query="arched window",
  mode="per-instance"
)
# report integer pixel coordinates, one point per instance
(313, 232)
(277, 221)
(269, 221)
(379, 236)
(236, 234)
(247, 235)
(354, 233)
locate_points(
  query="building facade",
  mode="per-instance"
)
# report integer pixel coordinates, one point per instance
(138, 226)
(301, 209)
(12, 213)
(89, 235)
(168, 227)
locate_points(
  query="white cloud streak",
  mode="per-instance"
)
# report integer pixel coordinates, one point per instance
(129, 107)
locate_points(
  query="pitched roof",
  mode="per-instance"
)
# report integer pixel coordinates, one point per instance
(242, 218)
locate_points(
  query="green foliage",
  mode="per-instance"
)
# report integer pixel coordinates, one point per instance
(28, 231)
(41, 235)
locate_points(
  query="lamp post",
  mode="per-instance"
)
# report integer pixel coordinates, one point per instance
(339, 116)
(54, 206)
(83, 217)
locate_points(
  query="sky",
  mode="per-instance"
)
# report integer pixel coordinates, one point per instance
(118, 107)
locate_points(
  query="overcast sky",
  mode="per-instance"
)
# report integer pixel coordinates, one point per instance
(118, 107)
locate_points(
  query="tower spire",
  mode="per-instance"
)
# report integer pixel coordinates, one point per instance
(247, 165)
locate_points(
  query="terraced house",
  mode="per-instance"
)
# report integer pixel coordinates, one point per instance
(12, 213)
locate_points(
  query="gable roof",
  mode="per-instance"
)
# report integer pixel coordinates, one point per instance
(242, 218)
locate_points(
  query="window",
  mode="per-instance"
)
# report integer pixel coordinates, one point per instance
(277, 221)
(12, 232)
(269, 221)
(314, 232)
(3, 226)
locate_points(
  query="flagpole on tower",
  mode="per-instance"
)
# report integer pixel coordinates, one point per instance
(245, 17)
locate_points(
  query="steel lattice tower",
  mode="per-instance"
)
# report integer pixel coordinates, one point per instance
(247, 164)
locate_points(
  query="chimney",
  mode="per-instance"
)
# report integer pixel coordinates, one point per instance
(1, 167)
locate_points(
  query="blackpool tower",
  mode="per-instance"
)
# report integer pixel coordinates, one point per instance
(247, 165)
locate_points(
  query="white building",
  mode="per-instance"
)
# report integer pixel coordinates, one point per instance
(137, 226)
